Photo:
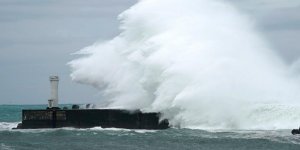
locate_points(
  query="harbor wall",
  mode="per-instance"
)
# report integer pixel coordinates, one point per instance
(88, 118)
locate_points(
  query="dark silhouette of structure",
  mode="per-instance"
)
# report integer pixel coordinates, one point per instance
(88, 118)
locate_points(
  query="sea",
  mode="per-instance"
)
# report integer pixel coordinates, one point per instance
(125, 139)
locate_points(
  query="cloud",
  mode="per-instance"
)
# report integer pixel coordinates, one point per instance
(267, 4)
(278, 21)
(37, 38)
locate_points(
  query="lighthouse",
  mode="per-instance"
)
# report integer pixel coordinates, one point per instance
(53, 101)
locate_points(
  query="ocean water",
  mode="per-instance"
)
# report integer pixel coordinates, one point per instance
(170, 139)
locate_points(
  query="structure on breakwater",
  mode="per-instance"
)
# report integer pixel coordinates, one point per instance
(54, 117)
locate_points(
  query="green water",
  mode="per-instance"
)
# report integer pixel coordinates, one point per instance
(170, 139)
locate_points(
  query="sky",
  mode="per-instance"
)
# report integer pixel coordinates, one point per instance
(37, 39)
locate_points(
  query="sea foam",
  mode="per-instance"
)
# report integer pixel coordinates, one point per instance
(199, 62)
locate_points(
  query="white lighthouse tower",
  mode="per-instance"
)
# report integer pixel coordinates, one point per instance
(53, 102)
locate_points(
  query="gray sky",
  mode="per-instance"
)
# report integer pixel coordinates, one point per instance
(37, 38)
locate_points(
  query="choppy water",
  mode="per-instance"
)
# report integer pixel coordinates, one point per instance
(98, 138)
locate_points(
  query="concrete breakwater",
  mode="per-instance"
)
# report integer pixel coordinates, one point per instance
(88, 118)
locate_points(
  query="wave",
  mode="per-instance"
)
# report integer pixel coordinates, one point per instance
(199, 62)
(8, 125)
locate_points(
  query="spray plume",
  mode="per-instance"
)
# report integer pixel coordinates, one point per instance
(199, 62)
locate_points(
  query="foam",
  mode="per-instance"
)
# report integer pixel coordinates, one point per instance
(199, 62)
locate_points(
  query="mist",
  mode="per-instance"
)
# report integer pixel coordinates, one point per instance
(201, 63)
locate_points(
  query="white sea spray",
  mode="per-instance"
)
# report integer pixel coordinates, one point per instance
(199, 62)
